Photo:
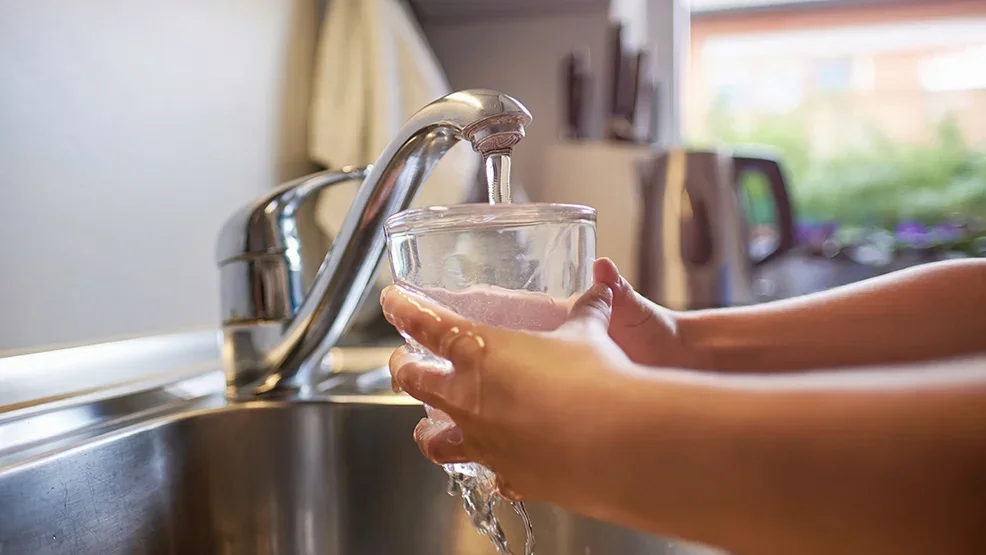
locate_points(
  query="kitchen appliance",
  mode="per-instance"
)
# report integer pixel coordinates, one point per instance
(695, 243)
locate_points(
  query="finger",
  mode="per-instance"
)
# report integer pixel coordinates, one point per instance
(438, 329)
(393, 364)
(593, 308)
(630, 309)
(506, 491)
(604, 270)
(437, 414)
(440, 442)
(626, 302)
(421, 377)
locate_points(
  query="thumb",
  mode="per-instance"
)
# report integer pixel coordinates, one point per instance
(592, 309)
(630, 310)
(647, 332)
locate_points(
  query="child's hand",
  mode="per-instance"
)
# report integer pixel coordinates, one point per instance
(528, 405)
(648, 333)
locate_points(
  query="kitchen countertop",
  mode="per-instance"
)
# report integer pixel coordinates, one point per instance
(44, 376)
(798, 274)
(64, 373)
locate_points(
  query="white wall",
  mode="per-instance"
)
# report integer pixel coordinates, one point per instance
(525, 61)
(669, 23)
(128, 131)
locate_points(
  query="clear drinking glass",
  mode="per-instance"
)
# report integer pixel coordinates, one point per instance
(511, 251)
(484, 261)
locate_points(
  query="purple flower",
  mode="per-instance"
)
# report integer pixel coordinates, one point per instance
(815, 233)
(803, 232)
(913, 233)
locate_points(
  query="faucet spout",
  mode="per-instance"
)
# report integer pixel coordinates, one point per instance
(281, 354)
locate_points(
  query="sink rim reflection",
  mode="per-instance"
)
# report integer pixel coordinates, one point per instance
(126, 411)
(66, 398)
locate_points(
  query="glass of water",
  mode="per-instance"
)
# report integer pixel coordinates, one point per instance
(492, 263)
(477, 259)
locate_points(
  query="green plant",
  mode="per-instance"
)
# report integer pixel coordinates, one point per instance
(876, 181)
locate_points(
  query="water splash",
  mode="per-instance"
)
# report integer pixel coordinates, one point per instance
(477, 486)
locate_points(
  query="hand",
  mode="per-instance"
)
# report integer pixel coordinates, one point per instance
(648, 333)
(528, 405)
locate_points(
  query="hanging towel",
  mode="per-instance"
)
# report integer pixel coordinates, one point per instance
(374, 69)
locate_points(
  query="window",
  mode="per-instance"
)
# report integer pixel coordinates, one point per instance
(833, 74)
(878, 110)
(964, 70)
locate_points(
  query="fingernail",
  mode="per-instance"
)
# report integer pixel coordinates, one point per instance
(402, 376)
(383, 304)
(399, 323)
(454, 436)
(419, 430)
(390, 318)
(396, 379)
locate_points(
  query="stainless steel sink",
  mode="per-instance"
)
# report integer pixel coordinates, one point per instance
(172, 467)
(272, 478)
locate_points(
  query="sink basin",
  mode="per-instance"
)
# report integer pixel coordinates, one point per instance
(172, 470)
(293, 478)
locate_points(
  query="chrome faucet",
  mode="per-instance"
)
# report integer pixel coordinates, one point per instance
(280, 317)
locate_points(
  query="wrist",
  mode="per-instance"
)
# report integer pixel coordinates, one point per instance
(694, 336)
(729, 341)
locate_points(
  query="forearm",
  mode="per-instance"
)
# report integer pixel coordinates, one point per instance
(848, 463)
(933, 311)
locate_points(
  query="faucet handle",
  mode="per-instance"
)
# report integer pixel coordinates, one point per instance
(259, 228)
(265, 267)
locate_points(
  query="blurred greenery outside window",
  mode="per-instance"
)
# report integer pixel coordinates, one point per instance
(882, 137)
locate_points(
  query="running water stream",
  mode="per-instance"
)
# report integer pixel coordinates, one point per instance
(473, 482)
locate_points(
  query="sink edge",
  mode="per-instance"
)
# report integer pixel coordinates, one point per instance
(53, 402)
